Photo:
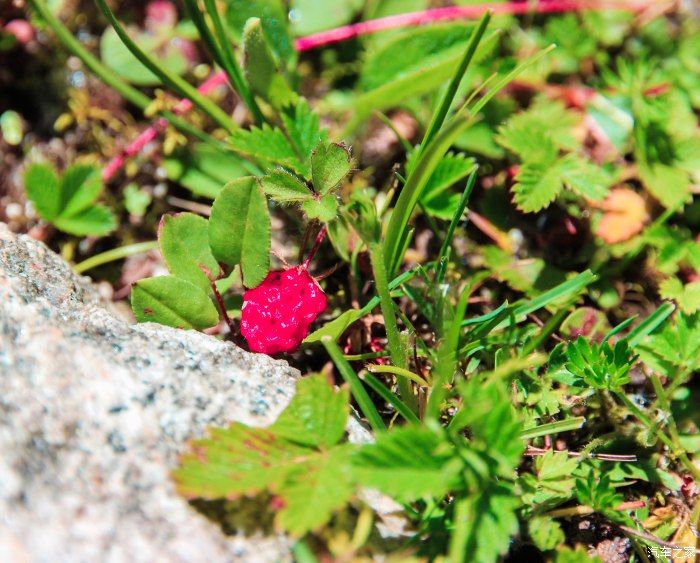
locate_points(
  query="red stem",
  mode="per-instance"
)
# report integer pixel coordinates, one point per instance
(373, 26)
(455, 12)
(317, 243)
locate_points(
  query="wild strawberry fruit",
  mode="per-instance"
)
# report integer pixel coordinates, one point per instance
(276, 315)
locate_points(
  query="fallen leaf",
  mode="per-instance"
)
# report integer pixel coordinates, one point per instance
(624, 215)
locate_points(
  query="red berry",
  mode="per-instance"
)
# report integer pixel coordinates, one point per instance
(276, 314)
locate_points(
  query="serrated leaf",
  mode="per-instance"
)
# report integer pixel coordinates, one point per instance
(327, 479)
(261, 71)
(239, 229)
(409, 463)
(330, 163)
(236, 461)
(268, 144)
(95, 220)
(302, 126)
(284, 187)
(316, 415)
(324, 208)
(42, 187)
(669, 185)
(537, 185)
(687, 296)
(545, 532)
(492, 521)
(184, 244)
(584, 177)
(173, 302)
(80, 187)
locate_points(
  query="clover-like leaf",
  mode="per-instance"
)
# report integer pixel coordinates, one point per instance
(324, 208)
(173, 302)
(285, 187)
(239, 229)
(95, 220)
(42, 187)
(184, 244)
(330, 163)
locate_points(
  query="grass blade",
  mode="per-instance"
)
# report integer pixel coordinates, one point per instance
(356, 387)
(553, 427)
(380, 389)
(651, 323)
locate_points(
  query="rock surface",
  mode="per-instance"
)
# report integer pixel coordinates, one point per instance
(93, 413)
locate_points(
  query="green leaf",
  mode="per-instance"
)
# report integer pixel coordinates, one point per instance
(303, 127)
(173, 302)
(336, 327)
(492, 521)
(409, 463)
(584, 177)
(285, 187)
(669, 185)
(96, 220)
(184, 244)
(239, 229)
(324, 208)
(272, 13)
(136, 201)
(80, 187)
(545, 532)
(117, 56)
(41, 185)
(261, 69)
(316, 415)
(268, 144)
(687, 296)
(327, 479)
(537, 185)
(435, 198)
(310, 16)
(552, 481)
(204, 169)
(330, 163)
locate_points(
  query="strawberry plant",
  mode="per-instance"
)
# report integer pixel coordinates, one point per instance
(503, 283)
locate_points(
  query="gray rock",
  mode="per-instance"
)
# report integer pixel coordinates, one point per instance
(93, 414)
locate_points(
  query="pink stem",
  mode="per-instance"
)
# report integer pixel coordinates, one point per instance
(373, 26)
(155, 129)
(454, 12)
(317, 244)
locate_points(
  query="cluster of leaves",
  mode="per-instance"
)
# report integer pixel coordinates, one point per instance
(458, 421)
(69, 202)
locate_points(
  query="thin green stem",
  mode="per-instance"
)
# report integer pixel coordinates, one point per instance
(180, 85)
(114, 254)
(402, 372)
(549, 327)
(106, 75)
(396, 347)
(380, 389)
(460, 532)
(356, 387)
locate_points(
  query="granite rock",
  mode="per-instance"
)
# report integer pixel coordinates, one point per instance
(94, 412)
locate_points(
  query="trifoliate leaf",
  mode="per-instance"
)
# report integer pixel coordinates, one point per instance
(284, 187)
(552, 481)
(330, 163)
(80, 187)
(42, 187)
(316, 415)
(96, 220)
(324, 208)
(184, 244)
(173, 302)
(239, 229)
